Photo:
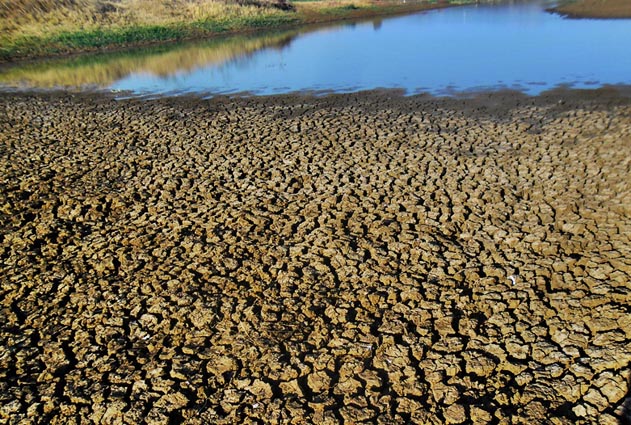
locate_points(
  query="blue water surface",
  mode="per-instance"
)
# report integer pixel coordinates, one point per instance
(512, 45)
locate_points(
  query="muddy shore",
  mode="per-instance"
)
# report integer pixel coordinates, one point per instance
(594, 9)
(364, 257)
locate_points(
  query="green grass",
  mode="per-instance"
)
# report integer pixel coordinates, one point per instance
(31, 28)
(94, 39)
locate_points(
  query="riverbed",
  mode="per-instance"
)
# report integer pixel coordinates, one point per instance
(359, 257)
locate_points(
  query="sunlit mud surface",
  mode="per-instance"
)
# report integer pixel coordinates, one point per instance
(363, 257)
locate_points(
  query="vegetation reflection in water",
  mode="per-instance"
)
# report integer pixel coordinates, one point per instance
(511, 45)
(102, 70)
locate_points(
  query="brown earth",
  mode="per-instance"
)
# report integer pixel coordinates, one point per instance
(595, 9)
(350, 258)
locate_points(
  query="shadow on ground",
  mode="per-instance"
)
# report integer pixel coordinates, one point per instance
(625, 418)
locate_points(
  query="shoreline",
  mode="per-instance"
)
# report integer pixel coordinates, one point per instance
(608, 94)
(38, 49)
(593, 9)
(350, 257)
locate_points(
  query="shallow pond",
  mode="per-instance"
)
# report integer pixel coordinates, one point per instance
(515, 45)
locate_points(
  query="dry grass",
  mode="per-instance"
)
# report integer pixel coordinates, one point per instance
(597, 9)
(41, 17)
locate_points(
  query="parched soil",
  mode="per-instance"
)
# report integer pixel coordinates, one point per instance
(595, 9)
(352, 258)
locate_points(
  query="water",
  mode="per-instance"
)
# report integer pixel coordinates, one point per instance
(518, 46)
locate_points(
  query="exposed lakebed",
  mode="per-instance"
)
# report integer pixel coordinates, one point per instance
(359, 257)
(516, 46)
(356, 258)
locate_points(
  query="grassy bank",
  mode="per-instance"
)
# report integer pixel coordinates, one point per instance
(596, 9)
(33, 28)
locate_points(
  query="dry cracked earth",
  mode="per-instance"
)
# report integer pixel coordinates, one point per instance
(356, 258)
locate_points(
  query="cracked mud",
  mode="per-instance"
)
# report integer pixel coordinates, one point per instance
(315, 260)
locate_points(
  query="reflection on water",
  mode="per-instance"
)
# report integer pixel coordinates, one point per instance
(162, 62)
(514, 45)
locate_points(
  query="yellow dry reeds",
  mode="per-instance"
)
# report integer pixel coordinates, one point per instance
(41, 17)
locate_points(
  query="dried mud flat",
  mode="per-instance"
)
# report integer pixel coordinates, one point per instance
(315, 260)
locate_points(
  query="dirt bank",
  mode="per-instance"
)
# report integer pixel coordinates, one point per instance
(607, 9)
(352, 258)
